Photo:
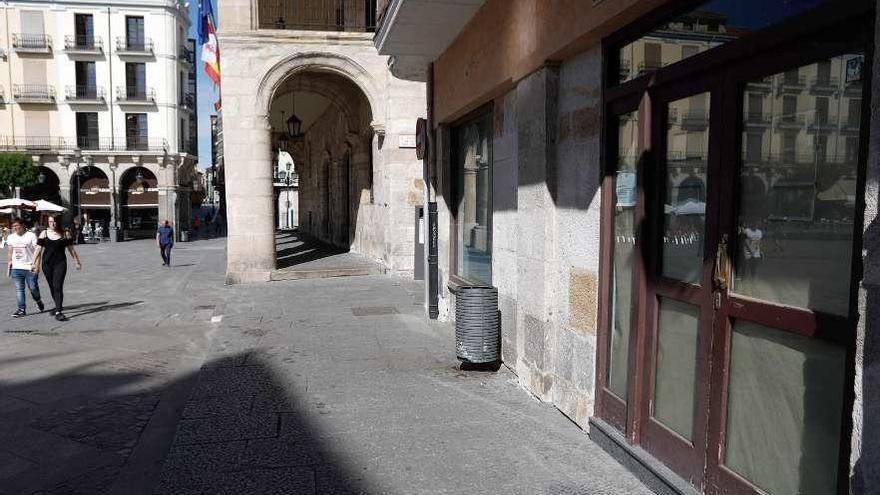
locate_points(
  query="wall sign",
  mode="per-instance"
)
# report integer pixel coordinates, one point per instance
(406, 141)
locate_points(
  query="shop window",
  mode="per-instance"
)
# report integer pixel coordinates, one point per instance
(472, 155)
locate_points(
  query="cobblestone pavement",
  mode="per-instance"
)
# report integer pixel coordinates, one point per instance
(313, 386)
(90, 405)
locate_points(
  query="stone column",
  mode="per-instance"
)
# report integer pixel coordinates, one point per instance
(249, 194)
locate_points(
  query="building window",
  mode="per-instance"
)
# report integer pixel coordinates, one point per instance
(472, 155)
(136, 131)
(134, 33)
(84, 31)
(86, 80)
(87, 130)
(136, 80)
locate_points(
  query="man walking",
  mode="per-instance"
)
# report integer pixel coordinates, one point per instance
(165, 240)
(21, 246)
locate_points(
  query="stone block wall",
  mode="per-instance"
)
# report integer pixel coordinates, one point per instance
(545, 229)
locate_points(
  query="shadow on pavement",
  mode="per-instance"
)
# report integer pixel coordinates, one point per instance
(99, 309)
(246, 430)
(242, 430)
(294, 248)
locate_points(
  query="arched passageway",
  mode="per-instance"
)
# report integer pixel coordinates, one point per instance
(139, 203)
(91, 200)
(48, 187)
(323, 119)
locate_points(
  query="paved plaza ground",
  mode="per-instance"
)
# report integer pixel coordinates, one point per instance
(168, 382)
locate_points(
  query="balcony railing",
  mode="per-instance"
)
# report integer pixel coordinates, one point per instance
(33, 93)
(649, 66)
(32, 42)
(125, 46)
(791, 121)
(757, 118)
(824, 83)
(135, 94)
(318, 15)
(85, 93)
(85, 143)
(187, 55)
(85, 44)
(695, 119)
(823, 123)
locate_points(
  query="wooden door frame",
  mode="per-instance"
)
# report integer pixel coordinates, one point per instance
(818, 24)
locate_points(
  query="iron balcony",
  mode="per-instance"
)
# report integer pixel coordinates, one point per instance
(142, 47)
(135, 95)
(85, 143)
(32, 43)
(83, 44)
(33, 93)
(85, 94)
(318, 15)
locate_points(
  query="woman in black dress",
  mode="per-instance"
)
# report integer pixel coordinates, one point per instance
(52, 243)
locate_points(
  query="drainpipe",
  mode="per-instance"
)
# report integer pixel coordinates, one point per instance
(430, 173)
(9, 67)
(111, 88)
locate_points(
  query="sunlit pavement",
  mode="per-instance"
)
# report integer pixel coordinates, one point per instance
(166, 381)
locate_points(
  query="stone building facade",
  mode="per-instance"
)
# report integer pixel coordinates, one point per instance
(357, 185)
(675, 201)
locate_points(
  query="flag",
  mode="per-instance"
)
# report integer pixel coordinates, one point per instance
(210, 48)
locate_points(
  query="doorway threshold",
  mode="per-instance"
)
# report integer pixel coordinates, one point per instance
(650, 471)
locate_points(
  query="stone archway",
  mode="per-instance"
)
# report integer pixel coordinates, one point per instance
(91, 200)
(249, 141)
(48, 187)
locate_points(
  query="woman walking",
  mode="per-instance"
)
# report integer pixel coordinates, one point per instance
(52, 243)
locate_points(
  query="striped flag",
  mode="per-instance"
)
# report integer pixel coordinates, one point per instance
(210, 48)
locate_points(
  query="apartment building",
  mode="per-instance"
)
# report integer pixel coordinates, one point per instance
(102, 95)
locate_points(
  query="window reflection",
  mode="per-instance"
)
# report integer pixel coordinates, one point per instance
(687, 156)
(798, 185)
(473, 154)
(710, 25)
(629, 152)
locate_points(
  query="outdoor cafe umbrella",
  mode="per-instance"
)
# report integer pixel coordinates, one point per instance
(16, 203)
(43, 205)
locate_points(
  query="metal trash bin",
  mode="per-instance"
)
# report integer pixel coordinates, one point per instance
(184, 236)
(477, 324)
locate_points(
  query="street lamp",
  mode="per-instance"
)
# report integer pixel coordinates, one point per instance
(77, 156)
(41, 178)
(287, 181)
(139, 175)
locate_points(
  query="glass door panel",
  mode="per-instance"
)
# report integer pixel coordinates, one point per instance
(684, 205)
(676, 371)
(775, 375)
(798, 187)
(629, 152)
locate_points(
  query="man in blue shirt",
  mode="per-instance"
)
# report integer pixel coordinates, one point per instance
(165, 240)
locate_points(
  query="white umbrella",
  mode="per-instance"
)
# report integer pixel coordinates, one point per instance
(690, 207)
(16, 203)
(6, 211)
(43, 205)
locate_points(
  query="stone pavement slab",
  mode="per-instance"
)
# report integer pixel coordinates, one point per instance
(366, 396)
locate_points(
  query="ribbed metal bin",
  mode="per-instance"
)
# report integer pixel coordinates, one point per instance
(477, 325)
